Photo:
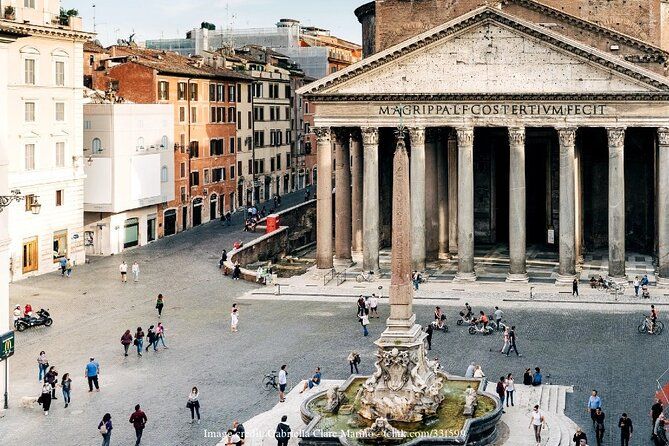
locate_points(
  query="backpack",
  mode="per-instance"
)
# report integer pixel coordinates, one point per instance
(103, 429)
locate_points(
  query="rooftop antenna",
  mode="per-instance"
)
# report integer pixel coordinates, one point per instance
(93, 17)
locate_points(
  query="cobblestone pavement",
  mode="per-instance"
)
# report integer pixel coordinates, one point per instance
(92, 309)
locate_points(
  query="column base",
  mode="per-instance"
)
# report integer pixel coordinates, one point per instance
(565, 279)
(465, 277)
(517, 278)
(662, 281)
(346, 263)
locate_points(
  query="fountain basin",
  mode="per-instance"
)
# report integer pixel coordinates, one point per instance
(450, 427)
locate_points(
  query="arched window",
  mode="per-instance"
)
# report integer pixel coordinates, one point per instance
(164, 142)
(163, 174)
(96, 147)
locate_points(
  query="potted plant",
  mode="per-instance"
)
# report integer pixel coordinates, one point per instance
(10, 13)
(65, 15)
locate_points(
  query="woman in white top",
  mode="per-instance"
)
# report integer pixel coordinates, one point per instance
(506, 345)
(478, 372)
(234, 318)
(509, 389)
(537, 421)
(45, 398)
(194, 404)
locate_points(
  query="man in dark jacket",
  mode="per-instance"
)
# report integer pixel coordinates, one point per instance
(282, 433)
(578, 436)
(626, 429)
(599, 425)
(138, 420)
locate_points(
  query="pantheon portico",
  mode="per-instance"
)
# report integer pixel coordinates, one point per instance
(515, 132)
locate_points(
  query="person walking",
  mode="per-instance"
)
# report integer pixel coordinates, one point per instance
(139, 340)
(138, 420)
(599, 426)
(626, 429)
(364, 321)
(123, 269)
(498, 314)
(373, 306)
(224, 258)
(660, 431)
(594, 403)
(68, 267)
(234, 318)
(636, 284)
(574, 287)
(126, 340)
(236, 272)
(66, 385)
(353, 361)
(510, 389)
(579, 437)
(512, 341)
(283, 380)
(105, 428)
(45, 397)
(42, 365)
(135, 271)
(282, 433)
(501, 390)
(193, 404)
(152, 338)
(537, 421)
(91, 373)
(415, 279)
(160, 334)
(506, 345)
(51, 378)
(160, 302)
(63, 266)
(428, 339)
(361, 306)
(655, 411)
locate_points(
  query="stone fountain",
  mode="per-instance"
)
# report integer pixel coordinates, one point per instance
(407, 391)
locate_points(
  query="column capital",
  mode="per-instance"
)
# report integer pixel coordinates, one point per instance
(616, 136)
(465, 135)
(566, 136)
(417, 135)
(322, 133)
(370, 135)
(663, 136)
(517, 135)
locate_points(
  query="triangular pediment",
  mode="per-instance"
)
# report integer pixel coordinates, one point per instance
(490, 52)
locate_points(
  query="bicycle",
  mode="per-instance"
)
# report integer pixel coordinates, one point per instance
(365, 277)
(644, 327)
(270, 382)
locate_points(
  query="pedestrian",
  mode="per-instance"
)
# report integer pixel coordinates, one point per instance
(537, 378)
(428, 339)
(361, 306)
(160, 302)
(123, 268)
(151, 337)
(537, 421)
(193, 404)
(42, 365)
(498, 314)
(501, 390)
(18, 314)
(364, 321)
(68, 267)
(45, 398)
(126, 340)
(283, 380)
(373, 306)
(135, 271)
(105, 428)
(527, 377)
(139, 340)
(579, 437)
(510, 389)
(51, 378)
(160, 334)
(63, 266)
(66, 384)
(626, 429)
(506, 345)
(470, 370)
(660, 432)
(599, 426)
(353, 361)
(478, 372)
(655, 411)
(594, 403)
(92, 371)
(512, 341)
(224, 258)
(234, 318)
(240, 431)
(282, 433)
(574, 287)
(636, 285)
(236, 272)
(138, 420)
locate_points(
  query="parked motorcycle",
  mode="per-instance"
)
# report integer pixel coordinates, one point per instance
(43, 318)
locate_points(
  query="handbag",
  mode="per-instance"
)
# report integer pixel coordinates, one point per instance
(189, 404)
(134, 341)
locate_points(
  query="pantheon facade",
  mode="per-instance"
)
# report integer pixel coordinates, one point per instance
(526, 125)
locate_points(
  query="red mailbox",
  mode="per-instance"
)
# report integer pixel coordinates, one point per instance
(272, 223)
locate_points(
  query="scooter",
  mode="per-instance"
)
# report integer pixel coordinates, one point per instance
(43, 318)
(479, 328)
(444, 327)
(493, 324)
(465, 319)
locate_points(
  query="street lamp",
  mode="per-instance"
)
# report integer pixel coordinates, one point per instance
(6, 200)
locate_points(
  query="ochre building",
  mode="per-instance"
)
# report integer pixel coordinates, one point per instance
(528, 123)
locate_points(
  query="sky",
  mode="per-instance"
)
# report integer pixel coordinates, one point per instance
(170, 19)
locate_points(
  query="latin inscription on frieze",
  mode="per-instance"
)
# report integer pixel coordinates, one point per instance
(488, 109)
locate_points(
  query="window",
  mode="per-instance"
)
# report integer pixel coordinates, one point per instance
(194, 179)
(30, 157)
(278, 162)
(271, 165)
(60, 111)
(213, 114)
(60, 154)
(239, 92)
(231, 94)
(193, 114)
(182, 170)
(232, 172)
(217, 175)
(232, 144)
(163, 90)
(250, 120)
(182, 114)
(183, 194)
(261, 168)
(87, 124)
(239, 167)
(212, 92)
(288, 137)
(259, 138)
(30, 112)
(239, 120)
(287, 113)
(59, 244)
(216, 147)
(181, 91)
(91, 60)
(59, 197)
(29, 3)
(220, 93)
(206, 176)
(29, 71)
(96, 145)
(333, 70)
(271, 113)
(249, 93)
(259, 113)
(306, 108)
(287, 91)
(287, 160)
(163, 174)
(164, 142)
(30, 200)
(60, 73)
(257, 90)
(193, 92)
(232, 114)
(194, 149)
(239, 144)
(220, 114)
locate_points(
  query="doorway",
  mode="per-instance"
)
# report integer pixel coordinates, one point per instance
(197, 212)
(150, 229)
(184, 218)
(30, 255)
(592, 145)
(131, 233)
(213, 202)
(170, 222)
(542, 177)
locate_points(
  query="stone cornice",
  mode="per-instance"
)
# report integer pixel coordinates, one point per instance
(48, 31)
(476, 17)
(491, 97)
